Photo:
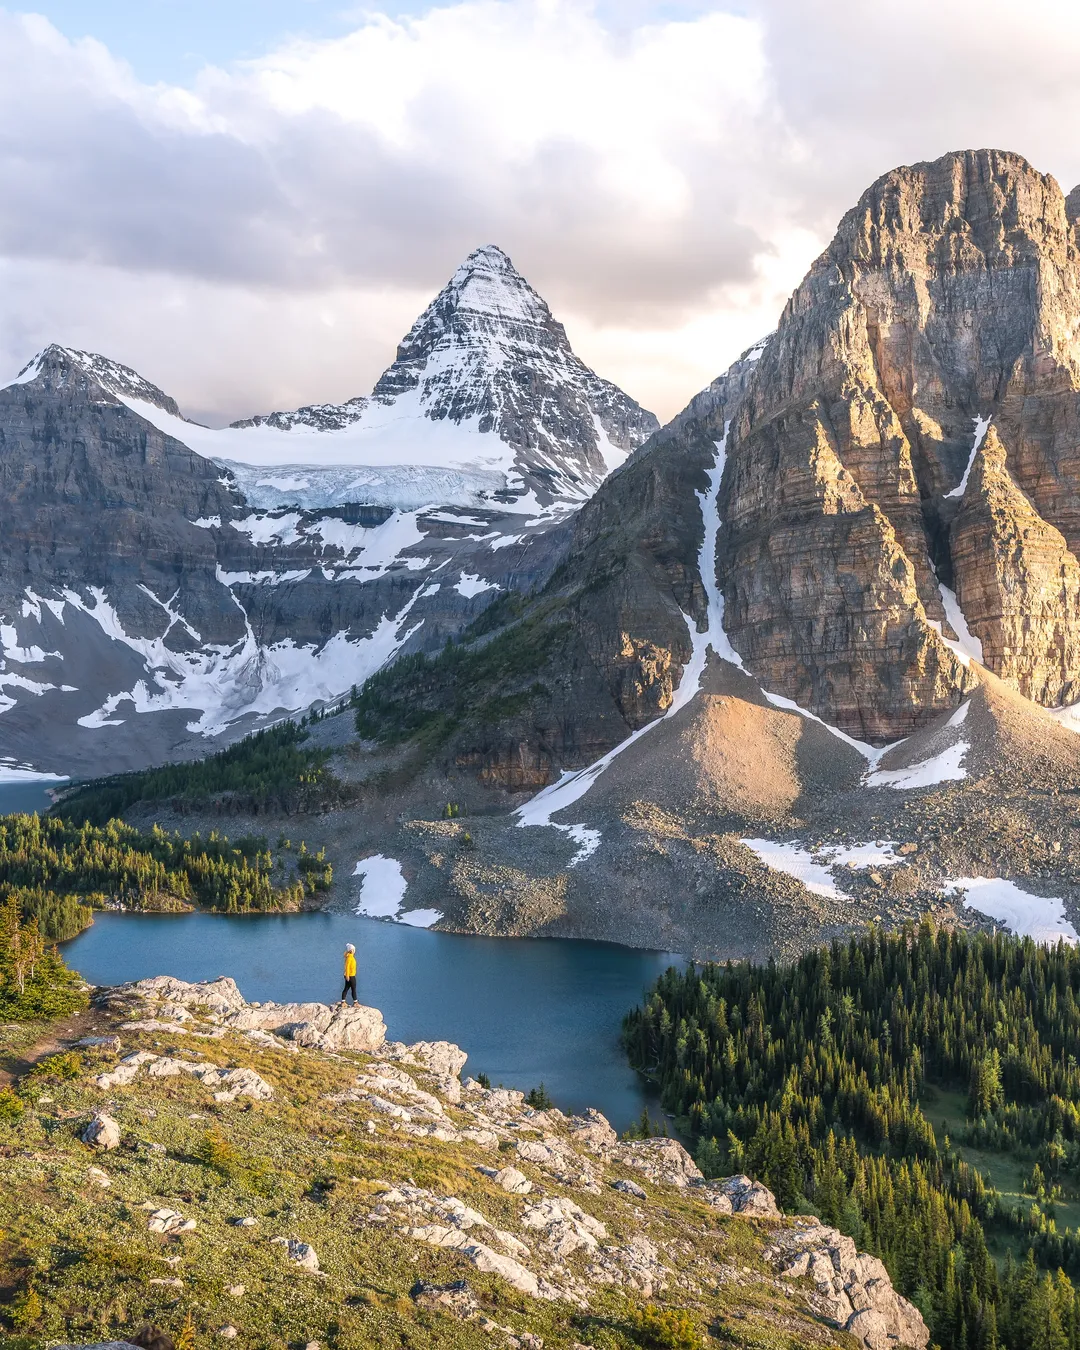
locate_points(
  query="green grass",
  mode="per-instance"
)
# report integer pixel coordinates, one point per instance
(306, 1168)
(947, 1111)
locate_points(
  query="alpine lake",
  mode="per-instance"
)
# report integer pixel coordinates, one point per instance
(527, 1010)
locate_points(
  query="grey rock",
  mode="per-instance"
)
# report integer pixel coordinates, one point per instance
(102, 1132)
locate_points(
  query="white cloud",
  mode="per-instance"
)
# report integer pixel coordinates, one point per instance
(264, 237)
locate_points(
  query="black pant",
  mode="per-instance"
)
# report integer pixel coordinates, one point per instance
(350, 987)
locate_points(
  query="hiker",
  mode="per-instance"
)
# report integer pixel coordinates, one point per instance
(350, 973)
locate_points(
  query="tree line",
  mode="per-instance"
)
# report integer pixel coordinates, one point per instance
(810, 1076)
(273, 769)
(58, 872)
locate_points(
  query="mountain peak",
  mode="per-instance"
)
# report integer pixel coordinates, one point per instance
(60, 367)
(486, 302)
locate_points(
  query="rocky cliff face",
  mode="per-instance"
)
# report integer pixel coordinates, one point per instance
(862, 480)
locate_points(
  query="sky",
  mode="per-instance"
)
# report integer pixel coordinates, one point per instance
(250, 201)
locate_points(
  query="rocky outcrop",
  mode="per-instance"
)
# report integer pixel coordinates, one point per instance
(852, 1290)
(314, 1025)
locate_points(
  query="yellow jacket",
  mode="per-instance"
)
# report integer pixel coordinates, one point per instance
(350, 965)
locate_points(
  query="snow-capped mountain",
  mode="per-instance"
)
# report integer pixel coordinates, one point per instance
(486, 404)
(162, 581)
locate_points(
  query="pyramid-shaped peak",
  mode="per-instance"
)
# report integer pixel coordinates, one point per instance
(488, 283)
(488, 257)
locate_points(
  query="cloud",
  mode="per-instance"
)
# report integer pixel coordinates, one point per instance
(662, 174)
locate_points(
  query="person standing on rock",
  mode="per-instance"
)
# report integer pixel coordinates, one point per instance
(350, 973)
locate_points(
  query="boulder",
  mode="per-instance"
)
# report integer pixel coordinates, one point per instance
(740, 1195)
(663, 1161)
(102, 1132)
(629, 1188)
(851, 1289)
(169, 1222)
(300, 1252)
(218, 997)
(510, 1179)
(456, 1299)
(593, 1131)
(565, 1226)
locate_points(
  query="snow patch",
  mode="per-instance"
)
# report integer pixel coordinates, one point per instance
(1036, 916)
(968, 648)
(982, 426)
(816, 865)
(943, 767)
(382, 892)
(470, 586)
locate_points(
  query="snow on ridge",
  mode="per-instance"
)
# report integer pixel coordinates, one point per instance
(572, 786)
(223, 684)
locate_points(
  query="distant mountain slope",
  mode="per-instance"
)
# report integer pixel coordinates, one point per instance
(486, 402)
(825, 603)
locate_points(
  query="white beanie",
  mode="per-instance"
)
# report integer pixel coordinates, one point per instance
(349, 947)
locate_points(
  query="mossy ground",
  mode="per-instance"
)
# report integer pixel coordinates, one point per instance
(306, 1168)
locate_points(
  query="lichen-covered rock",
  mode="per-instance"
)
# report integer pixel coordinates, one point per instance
(850, 1289)
(102, 1132)
(169, 1222)
(592, 1130)
(740, 1195)
(663, 1161)
(510, 1179)
(302, 1253)
(455, 1298)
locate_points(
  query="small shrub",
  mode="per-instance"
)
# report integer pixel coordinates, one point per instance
(484, 1081)
(185, 1340)
(61, 1068)
(25, 1309)
(11, 1108)
(657, 1328)
(216, 1153)
(539, 1099)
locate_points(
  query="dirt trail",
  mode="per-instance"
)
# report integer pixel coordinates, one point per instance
(16, 1058)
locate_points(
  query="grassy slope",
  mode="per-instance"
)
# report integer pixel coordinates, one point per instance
(304, 1168)
(947, 1110)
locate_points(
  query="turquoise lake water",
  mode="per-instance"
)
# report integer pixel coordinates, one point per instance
(526, 1009)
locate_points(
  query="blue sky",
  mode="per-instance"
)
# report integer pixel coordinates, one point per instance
(170, 40)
